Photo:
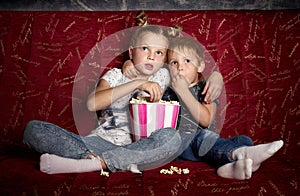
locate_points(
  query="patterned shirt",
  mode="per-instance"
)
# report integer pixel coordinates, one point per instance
(114, 122)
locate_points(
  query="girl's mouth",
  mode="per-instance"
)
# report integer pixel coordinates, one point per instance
(148, 66)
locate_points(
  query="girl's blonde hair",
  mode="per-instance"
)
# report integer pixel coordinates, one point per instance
(147, 29)
(187, 44)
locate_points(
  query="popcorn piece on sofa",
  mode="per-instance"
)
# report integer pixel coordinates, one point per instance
(175, 169)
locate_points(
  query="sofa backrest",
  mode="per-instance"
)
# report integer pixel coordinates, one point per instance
(257, 53)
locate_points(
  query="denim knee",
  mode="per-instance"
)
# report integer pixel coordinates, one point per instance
(30, 132)
(168, 136)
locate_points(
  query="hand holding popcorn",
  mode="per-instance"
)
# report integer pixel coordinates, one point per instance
(179, 83)
(153, 89)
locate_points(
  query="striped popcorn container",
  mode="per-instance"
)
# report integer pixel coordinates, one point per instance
(148, 117)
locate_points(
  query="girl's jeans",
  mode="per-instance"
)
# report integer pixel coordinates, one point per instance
(161, 147)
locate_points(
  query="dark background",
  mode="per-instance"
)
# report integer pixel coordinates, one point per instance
(111, 5)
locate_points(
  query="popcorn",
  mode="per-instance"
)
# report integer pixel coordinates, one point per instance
(146, 100)
(147, 117)
(165, 171)
(175, 169)
(185, 171)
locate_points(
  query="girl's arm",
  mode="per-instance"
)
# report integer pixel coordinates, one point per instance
(104, 95)
(213, 87)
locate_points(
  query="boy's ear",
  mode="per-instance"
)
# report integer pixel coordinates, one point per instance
(201, 67)
(130, 51)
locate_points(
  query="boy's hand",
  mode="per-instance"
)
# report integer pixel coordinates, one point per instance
(179, 83)
(129, 70)
(153, 88)
(213, 87)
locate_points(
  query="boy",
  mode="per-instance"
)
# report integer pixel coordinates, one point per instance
(235, 157)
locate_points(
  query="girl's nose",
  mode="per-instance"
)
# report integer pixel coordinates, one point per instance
(150, 57)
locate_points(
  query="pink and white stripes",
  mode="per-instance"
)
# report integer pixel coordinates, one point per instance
(148, 117)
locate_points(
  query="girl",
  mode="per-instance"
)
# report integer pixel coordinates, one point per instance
(69, 152)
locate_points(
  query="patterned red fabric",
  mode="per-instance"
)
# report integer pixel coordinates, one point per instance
(257, 53)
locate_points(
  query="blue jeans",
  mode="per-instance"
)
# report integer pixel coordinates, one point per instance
(162, 146)
(207, 146)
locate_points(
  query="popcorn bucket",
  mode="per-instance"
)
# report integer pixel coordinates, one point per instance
(148, 117)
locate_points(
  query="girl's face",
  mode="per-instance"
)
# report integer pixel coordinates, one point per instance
(187, 64)
(149, 54)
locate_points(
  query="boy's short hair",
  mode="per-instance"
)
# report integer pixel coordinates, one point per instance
(147, 29)
(187, 43)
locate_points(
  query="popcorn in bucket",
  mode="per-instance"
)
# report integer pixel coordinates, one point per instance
(147, 117)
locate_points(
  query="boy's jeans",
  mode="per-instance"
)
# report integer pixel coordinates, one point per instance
(207, 146)
(161, 147)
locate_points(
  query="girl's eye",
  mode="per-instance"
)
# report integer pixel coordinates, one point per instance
(160, 53)
(187, 60)
(144, 48)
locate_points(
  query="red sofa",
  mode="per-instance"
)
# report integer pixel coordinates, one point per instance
(41, 53)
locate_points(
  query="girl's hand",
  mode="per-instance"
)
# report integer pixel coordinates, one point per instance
(213, 87)
(129, 70)
(153, 88)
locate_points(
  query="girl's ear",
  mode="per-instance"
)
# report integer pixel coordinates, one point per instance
(130, 51)
(201, 67)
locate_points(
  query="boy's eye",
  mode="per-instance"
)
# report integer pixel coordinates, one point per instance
(144, 48)
(173, 63)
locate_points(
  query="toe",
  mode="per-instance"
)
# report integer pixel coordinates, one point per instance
(248, 168)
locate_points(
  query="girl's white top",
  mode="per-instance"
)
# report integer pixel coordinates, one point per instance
(114, 121)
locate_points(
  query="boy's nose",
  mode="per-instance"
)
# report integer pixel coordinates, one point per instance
(179, 67)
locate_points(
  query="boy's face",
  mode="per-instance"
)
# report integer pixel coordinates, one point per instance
(149, 54)
(187, 65)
